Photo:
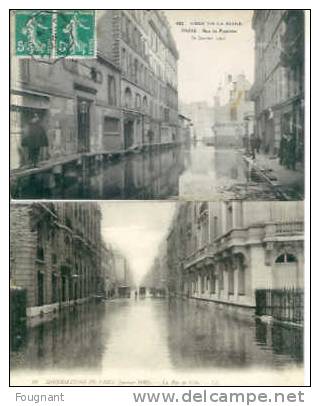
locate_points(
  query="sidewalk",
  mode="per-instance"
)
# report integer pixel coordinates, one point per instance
(53, 162)
(289, 182)
(58, 161)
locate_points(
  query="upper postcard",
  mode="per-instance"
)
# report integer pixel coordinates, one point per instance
(158, 104)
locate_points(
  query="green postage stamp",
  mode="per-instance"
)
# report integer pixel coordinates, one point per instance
(34, 33)
(55, 34)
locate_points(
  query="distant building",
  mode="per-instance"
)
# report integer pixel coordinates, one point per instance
(55, 253)
(185, 130)
(278, 90)
(232, 105)
(123, 275)
(224, 251)
(157, 277)
(202, 116)
(108, 281)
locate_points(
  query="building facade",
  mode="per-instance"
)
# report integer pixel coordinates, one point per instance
(108, 286)
(157, 277)
(124, 98)
(77, 101)
(225, 251)
(278, 90)
(142, 47)
(202, 116)
(55, 253)
(232, 105)
(185, 130)
(123, 276)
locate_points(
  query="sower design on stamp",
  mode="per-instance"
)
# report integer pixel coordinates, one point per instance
(55, 34)
(75, 34)
(33, 33)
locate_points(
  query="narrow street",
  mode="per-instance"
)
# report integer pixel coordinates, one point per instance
(199, 172)
(148, 334)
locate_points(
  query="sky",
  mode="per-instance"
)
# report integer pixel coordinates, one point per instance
(136, 228)
(203, 63)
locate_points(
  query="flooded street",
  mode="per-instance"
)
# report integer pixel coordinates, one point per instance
(154, 334)
(200, 171)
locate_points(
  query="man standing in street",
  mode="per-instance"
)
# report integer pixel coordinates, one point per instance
(258, 144)
(253, 145)
(282, 149)
(35, 139)
(292, 152)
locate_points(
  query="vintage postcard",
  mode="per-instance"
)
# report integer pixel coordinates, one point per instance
(157, 293)
(157, 162)
(151, 104)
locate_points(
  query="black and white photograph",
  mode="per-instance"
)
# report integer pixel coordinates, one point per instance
(156, 293)
(191, 104)
(157, 197)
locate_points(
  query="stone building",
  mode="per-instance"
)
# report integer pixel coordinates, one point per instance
(232, 105)
(55, 253)
(108, 271)
(124, 98)
(157, 277)
(202, 116)
(278, 90)
(185, 130)
(77, 100)
(122, 273)
(224, 251)
(144, 50)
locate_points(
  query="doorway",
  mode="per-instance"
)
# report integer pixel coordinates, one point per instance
(83, 125)
(128, 134)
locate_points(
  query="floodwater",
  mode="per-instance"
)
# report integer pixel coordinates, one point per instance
(198, 171)
(154, 335)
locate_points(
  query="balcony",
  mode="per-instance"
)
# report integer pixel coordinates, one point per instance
(231, 238)
(204, 253)
(280, 229)
(257, 233)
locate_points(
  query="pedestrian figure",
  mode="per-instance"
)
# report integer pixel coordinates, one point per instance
(292, 152)
(253, 145)
(135, 295)
(245, 142)
(150, 136)
(258, 144)
(285, 150)
(34, 140)
(282, 149)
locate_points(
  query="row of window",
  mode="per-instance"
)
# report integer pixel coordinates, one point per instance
(140, 74)
(64, 288)
(136, 41)
(215, 282)
(151, 108)
(284, 84)
(133, 37)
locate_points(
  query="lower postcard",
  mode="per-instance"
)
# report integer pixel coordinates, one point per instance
(157, 293)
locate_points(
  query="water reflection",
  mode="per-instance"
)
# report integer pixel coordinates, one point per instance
(149, 334)
(197, 172)
(64, 342)
(146, 175)
(204, 336)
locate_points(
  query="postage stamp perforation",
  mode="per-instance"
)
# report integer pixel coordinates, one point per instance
(55, 34)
